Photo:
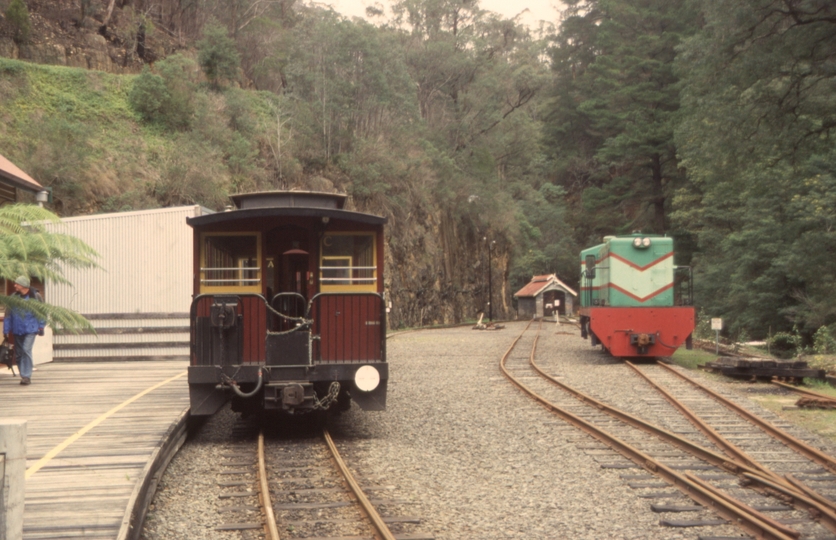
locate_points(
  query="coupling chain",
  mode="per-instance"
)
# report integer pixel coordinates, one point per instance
(301, 322)
(330, 397)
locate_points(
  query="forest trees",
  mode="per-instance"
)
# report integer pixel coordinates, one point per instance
(706, 119)
(614, 104)
(710, 120)
(479, 82)
(757, 140)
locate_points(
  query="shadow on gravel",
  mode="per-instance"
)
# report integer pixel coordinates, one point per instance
(227, 425)
(287, 427)
(642, 361)
(596, 357)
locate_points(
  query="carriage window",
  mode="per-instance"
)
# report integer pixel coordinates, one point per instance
(230, 262)
(348, 262)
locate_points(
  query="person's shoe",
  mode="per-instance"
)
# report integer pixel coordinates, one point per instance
(25, 380)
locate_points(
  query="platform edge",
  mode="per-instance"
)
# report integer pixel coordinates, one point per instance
(146, 486)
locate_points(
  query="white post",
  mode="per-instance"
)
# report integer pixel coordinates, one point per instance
(717, 325)
(12, 475)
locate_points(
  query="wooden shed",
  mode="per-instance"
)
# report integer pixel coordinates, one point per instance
(13, 181)
(544, 296)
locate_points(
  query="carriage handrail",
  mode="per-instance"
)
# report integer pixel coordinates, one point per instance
(287, 294)
(303, 320)
(348, 267)
(236, 268)
(367, 279)
(235, 280)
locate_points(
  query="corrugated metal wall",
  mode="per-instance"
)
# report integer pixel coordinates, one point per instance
(145, 281)
(146, 263)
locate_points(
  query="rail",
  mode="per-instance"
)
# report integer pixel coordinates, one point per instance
(828, 400)
(750, 520)
(752, 470)
(799, 446)
(368, 508)
(270, 527)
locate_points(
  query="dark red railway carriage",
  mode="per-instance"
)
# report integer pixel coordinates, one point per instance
(288, 311)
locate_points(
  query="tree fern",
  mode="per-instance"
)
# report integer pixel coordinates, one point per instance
(28, 247)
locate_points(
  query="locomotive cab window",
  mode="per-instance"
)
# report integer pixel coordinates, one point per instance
(229, 262)
(348, 263)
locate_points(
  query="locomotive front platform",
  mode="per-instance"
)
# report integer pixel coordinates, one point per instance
(98, 434)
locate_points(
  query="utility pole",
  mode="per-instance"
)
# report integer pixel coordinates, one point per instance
(490, 245)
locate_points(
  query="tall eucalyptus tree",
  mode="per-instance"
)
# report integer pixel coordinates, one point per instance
(615, 102)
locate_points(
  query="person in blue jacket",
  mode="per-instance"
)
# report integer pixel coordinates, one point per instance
(24, 325)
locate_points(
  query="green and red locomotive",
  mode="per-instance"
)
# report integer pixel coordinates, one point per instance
(634, 301)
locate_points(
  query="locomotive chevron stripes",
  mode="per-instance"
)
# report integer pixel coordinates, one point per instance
(629, 276)
(628, 296)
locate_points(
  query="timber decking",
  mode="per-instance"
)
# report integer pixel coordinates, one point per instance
(98, 485)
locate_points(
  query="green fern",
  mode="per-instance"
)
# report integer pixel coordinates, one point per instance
(29, 247)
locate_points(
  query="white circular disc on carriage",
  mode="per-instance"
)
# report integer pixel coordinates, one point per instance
(367, 378)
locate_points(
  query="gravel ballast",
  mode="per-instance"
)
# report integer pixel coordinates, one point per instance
(476, 458)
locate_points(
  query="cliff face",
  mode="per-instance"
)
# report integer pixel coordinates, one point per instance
(60, 36)
(437, 272)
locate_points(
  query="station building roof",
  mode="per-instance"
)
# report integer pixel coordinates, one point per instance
(539, 284)
(11, 174)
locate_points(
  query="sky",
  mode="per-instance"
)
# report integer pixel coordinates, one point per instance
(537, 9)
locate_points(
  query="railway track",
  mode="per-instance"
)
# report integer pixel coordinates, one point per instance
(282, 487)
(236, 487)
(701, 481)
(312, 493)
(784, 461)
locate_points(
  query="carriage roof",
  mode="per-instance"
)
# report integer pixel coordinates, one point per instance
(271, 204)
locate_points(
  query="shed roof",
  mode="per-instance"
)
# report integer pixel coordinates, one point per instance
(539, 284)
(10, 173)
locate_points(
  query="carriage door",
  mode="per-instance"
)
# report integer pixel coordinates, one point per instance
(294, 274)
(287, 261)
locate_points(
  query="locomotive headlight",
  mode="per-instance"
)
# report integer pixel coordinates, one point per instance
(637, 242)
(646, 242)
(367, 378)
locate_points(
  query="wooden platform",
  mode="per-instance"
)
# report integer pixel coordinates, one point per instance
(97, 436)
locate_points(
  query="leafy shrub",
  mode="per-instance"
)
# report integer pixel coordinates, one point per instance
(217, 55)
(18, 16)
(785, 344)
(703, 330)
(179, 74)
(823, 341)
(191, 172)
(149, 95)
(167, 97)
